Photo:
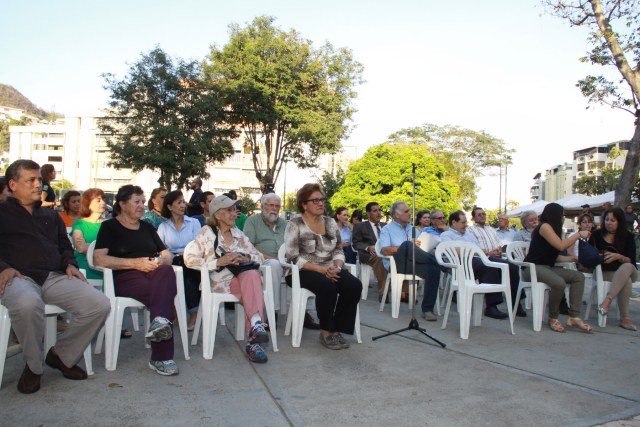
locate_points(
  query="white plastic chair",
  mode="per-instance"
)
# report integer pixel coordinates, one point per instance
(113, 325)
(599, 290)
(396, 279)
(299, 297)
(458, 256)
(210, 311)
(365, 277)
(51, 330)
(516, 251)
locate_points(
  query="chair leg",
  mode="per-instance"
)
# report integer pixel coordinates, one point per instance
(387, 284)
(448, 307)
(99, 341)
(88, 361)
(365, 272)
(537, 302)
(357, 325)
(5, 331)
(239, 322)
(134, 318)
(181, 310)
(147, 325)
(196, 329)
(396, 290)
(271, 319)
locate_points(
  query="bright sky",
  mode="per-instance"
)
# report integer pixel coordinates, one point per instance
(501, 66)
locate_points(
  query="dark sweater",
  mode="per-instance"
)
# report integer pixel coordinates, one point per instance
(34, 244)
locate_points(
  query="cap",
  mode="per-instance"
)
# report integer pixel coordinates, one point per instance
(221, 202)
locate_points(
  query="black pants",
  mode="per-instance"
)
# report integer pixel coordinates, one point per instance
(427, 268)
(487, 274)
(336, 302)
(191, 283)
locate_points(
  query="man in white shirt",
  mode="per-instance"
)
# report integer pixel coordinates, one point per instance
(504, 232)
(491, 245)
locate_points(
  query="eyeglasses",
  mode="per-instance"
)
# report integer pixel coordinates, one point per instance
(316, 201)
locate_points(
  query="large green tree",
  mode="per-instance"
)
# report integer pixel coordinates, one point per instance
(619, 50)
(384, 175)
(164, 118)
(591, 185)
(466, 154)
(292, 100)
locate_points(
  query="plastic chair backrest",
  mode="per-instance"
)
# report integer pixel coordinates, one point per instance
(516, 251)
(460, 254)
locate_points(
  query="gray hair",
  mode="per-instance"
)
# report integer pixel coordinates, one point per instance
(395, 206)
(269, 196)
(525, 215)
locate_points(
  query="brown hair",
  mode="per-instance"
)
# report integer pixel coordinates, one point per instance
(154, 193)
(46, 171)
(87, 197)
(303, 194)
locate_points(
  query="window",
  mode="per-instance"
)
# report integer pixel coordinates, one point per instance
(54, 158)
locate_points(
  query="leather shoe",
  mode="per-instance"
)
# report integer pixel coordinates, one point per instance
(520, 311)
(309, 322)
(29, 382)
(494, 313)
(73, 373)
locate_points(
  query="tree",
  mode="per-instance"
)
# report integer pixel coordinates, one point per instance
(611, 48)
(384, 174)
(331, 183)
(591, 185)
(63, 184)
(4, 131)
(162, 117)
(292, 100)
(466, 154)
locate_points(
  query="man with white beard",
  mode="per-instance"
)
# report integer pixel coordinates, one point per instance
(266, 233)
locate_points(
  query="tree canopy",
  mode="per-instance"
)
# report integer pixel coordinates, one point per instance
(293, 101)
(465, 154)
(591, 185)
(384, 174)
(619, 50)
(162, 117)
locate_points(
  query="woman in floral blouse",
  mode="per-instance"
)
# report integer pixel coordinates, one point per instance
(221, 244)
(313, 243)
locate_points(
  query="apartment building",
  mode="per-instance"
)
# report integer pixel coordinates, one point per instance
(79, 153)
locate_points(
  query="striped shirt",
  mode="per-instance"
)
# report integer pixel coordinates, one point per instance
(486, 236)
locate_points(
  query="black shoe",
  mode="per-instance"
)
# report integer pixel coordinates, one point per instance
(386, 301)
(494, 313)
(520, 311)
(29, 382)
(309, 323)
(73, 373)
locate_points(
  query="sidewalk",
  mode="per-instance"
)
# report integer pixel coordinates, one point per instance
(493, 378)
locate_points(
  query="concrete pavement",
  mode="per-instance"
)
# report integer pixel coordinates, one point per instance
(493, 378)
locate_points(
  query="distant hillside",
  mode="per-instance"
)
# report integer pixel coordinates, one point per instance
(11, 97)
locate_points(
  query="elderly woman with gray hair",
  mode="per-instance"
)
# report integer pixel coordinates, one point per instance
(529, 221)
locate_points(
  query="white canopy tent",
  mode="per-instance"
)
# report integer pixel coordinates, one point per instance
(536, 206)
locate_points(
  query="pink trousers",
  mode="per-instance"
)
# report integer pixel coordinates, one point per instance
(247, 287)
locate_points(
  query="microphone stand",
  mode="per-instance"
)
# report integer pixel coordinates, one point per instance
(413, 323)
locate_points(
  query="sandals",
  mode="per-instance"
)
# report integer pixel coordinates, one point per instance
(601, 309)
(576, 322)
(556, 326)
(628, 325)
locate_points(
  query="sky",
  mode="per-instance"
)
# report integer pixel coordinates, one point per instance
(500, 66)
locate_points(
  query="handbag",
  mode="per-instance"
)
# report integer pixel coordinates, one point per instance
(245, 266)
(588, 256)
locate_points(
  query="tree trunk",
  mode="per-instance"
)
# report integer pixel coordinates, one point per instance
(630, 171)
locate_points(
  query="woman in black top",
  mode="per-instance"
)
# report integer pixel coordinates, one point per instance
(48, 173)
(142, 270)
(544, 252)
(618, 247)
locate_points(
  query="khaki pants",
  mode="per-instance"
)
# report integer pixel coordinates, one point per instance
(25, 301)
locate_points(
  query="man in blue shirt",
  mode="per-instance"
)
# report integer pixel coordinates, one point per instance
(396, 240)
(458, 232)
(438, 224)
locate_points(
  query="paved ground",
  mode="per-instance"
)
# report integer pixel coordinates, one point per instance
(493, 378)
